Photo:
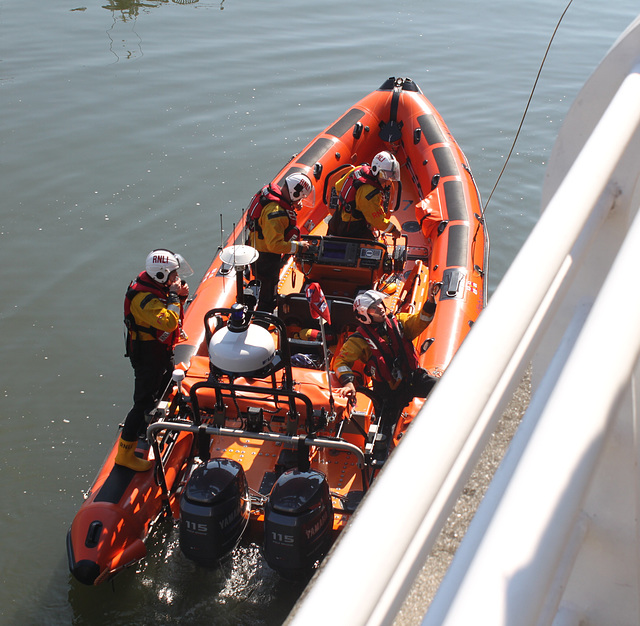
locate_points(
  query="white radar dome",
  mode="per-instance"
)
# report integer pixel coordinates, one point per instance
(246, 352)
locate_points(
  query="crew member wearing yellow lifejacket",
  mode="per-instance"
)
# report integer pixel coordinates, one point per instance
(363, 200)
(273, 232)
(383, 342)
(152, 313)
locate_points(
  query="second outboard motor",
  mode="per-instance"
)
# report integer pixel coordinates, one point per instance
(214, 511)
(298, 521)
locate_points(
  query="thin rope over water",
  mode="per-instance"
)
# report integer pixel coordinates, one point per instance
(513, 145)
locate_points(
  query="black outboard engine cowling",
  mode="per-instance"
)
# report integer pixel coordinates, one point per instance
(298, 522)
(214, 511)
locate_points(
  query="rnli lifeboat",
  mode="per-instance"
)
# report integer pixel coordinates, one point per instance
(250, 440)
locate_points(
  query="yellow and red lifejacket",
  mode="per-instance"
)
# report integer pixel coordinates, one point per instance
(392, 358)
(267, 195)
(355, 179)
(144, 284)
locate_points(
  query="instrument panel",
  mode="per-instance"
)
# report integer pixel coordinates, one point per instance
(344, 252)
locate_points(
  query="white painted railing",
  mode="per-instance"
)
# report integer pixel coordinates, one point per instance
(556, 537)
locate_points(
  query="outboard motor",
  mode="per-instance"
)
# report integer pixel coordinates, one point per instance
(298, 520)
(214, 511)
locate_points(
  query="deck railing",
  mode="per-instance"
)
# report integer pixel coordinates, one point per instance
(556, 537)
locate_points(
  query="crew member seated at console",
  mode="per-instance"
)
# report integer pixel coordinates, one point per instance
(363, 200)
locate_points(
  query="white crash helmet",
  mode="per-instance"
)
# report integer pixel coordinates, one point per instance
(364, 301)
(385, 166)
(160, 263)
(299, 186)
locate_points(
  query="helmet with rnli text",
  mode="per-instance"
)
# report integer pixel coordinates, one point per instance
(160, 263)
(299, 186)
(363, 302)
(385, 166)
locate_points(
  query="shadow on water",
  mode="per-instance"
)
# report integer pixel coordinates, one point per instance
(124, 41)
(167, 588)
(131, 8)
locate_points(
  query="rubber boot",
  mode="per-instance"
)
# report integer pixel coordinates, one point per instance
(127, 458)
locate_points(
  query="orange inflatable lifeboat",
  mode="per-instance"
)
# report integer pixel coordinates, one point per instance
(249, 439)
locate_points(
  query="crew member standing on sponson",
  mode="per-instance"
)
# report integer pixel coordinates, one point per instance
(153, 308)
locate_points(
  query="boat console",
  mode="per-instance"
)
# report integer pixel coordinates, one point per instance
(330, 260)
(344, 252)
